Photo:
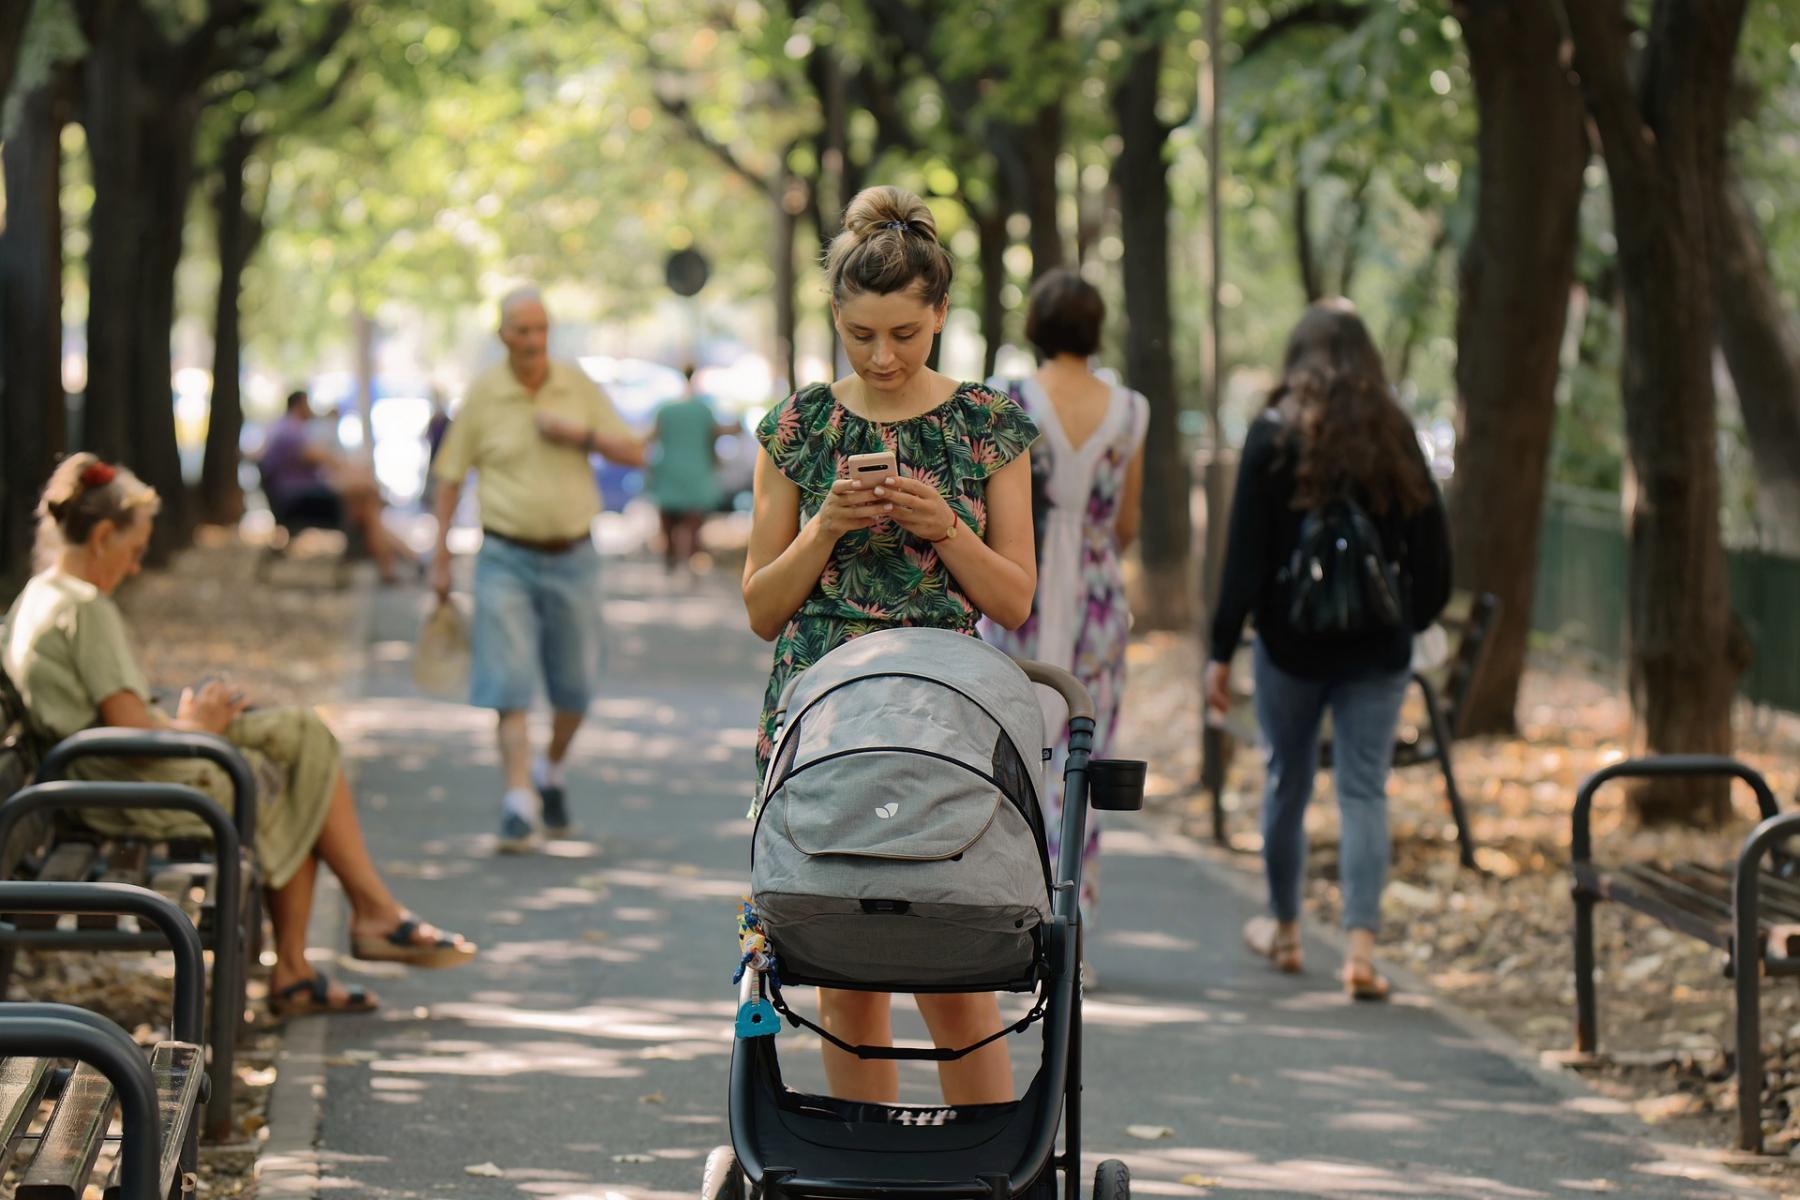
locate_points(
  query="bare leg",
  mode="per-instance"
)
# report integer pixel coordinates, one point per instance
(984, 1077)
(515, 749)
(341, 847)
(860, 1018)
(670, 523)
(290, 909)
(562, 731)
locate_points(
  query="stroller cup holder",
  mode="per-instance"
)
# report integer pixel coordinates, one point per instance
(1116, 784)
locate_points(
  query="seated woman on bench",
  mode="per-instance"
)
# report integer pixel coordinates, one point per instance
(65, 647)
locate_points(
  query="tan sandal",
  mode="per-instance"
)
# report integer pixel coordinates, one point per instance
(1363, 982)
(1267, 939)
(403, 945)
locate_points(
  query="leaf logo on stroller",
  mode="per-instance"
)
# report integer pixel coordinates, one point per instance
(887, 810)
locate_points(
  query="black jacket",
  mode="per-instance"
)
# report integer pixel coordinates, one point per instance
(1265, 529)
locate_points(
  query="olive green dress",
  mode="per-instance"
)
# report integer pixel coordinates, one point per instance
(884, 577)
(65, 648)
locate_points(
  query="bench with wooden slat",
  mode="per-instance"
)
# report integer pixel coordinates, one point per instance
(121, 862)
(23, 1082)
(179, 1070)
(72, 1140)
(1750, 909)
(68, 862)
(40, 827)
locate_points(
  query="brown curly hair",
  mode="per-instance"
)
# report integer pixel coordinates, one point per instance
(1342, 424)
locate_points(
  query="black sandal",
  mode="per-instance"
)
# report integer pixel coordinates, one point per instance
(312, 997)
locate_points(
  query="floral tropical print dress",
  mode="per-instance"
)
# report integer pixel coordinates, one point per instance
(883, 577)
(1079, 619)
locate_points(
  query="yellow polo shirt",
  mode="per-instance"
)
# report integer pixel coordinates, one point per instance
(530, 487)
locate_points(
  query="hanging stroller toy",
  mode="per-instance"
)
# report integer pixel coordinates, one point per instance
(900, 846)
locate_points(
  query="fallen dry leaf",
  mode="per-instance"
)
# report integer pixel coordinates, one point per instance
(1149, 1133)
(486, 1170)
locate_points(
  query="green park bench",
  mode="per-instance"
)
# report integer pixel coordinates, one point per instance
(1468, 620)
(1749, 911)
(157, 1098)
(42, 839)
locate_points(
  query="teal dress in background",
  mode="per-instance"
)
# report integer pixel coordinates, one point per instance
(683, 478)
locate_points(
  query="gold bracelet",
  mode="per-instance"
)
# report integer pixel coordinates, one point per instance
(951, 535)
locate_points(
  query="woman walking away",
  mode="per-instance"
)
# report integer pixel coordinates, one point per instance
(1338, 546)
(65, 648)
(1088, 469)
(940, 543)
(683, 473)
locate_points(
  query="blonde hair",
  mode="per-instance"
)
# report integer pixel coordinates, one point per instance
(889, 243)
(84, 491)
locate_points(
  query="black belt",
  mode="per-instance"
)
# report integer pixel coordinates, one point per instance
(546, 546)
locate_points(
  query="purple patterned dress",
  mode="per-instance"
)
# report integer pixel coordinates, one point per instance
(1079, 618)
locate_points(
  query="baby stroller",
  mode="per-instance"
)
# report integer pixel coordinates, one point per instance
(900, 846)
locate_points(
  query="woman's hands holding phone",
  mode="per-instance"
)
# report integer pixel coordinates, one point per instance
(918, 508)
(851, 505)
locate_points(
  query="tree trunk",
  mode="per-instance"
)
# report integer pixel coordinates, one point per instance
(991, 226)
(33, 414)
(790, 203)
(1516, 273)
(118, 227)
(1664, 144)
(1042, 149)
(141, 117)
(1305, 256)
(221, 500)
(1762, 348)
(14, 16)
(1142, 175)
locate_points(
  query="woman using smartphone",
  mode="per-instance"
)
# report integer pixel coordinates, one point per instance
(943, 541)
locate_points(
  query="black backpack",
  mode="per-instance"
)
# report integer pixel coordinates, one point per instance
(1339, 581)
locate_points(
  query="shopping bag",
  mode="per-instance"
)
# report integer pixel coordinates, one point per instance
(441, 653)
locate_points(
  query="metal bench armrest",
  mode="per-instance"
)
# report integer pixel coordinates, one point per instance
(116, 742)
(63, 1031)
(1661, 766)
(184, 939)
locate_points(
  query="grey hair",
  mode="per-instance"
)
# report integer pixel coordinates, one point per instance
(527, 294)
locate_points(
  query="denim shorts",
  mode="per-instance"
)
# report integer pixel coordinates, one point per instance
(536, 616)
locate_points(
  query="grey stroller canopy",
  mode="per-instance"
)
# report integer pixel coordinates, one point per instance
(899, 840)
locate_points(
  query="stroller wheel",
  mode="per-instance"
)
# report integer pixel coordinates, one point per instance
(724, 1179)
(1112, 1181)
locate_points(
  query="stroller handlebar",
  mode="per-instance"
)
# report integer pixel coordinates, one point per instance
(1064, 684)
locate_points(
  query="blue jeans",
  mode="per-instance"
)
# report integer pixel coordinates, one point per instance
(1364, 714)
(536, 616)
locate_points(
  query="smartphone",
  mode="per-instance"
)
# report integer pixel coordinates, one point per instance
(872, 468)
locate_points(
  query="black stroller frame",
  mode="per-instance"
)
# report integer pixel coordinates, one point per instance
(786, 1145)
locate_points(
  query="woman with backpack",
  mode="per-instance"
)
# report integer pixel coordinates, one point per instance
(1087, 473)
(940, 543)
(1338, 546)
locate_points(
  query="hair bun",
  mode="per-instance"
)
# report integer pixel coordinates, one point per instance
(887, 209)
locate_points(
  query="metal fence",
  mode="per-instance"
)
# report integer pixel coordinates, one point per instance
(1583, 578)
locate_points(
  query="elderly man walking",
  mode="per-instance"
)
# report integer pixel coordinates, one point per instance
(526, 429)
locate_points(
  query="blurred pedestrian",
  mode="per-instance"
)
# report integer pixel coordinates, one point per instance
(684, 477)
(526, 428)
(306, 483)
(1339, 548)
(1087, 477)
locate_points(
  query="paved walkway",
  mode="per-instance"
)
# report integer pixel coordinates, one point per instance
(584, 1055)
